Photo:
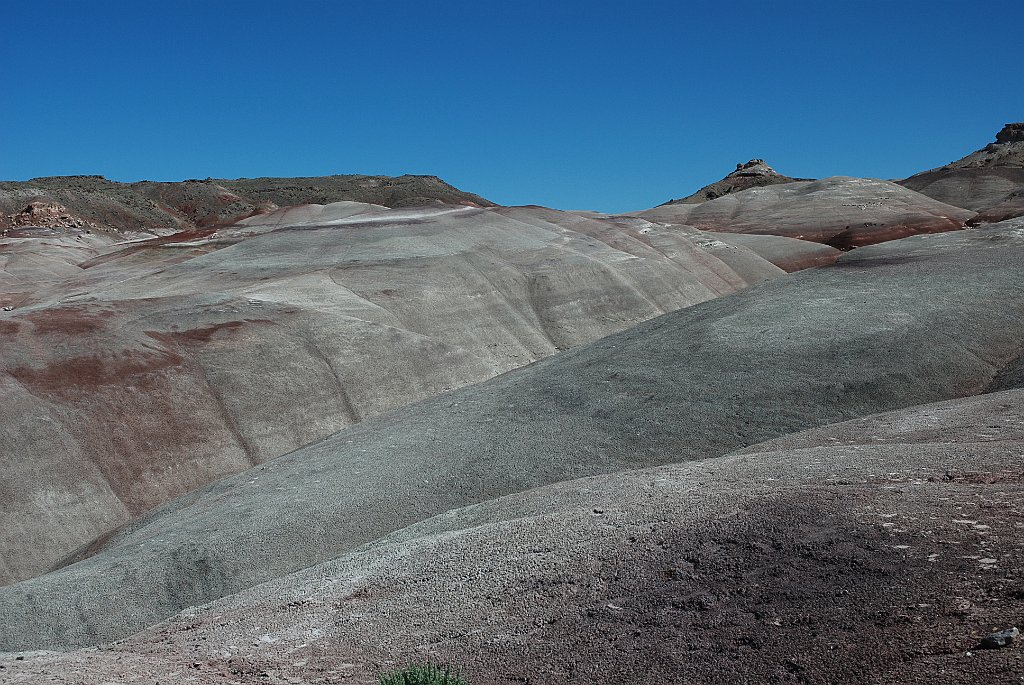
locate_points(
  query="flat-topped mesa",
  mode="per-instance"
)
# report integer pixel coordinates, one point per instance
(162, 208)
(1011, 133)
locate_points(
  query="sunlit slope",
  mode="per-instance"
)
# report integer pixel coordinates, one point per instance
(890, 326)
(139, 374)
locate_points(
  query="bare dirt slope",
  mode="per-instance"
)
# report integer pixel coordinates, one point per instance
(840, 211)
(136, 373)
(875, 551)
(989, 181)
(890, 326)
(38, 259)
(789, 254)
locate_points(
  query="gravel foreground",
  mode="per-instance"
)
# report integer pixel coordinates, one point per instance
(880, 550)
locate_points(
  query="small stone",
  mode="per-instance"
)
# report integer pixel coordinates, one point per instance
(1003, 638)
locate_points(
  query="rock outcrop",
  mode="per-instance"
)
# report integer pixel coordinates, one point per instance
(753, 174)
(1011, 133)
(43, 215)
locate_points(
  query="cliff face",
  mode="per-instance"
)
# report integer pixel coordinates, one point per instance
(149, 207)
(754, 174)
(1011, 133)
(989, 181)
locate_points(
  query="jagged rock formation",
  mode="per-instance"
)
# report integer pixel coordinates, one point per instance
(43, 215)
(989, 181)
(1011, 133)
(817, 347)
(162, 208)
(139, 372)
(840, 211)
(754, 174)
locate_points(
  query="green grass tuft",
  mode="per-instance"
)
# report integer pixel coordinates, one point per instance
(423, 675)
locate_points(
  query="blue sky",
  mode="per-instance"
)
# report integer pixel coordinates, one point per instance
(602, 105)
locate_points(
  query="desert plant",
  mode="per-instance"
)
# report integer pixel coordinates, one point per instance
(423, 675)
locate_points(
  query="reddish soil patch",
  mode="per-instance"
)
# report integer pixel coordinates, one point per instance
(182, 236)
(9, 327)
(69, 378)
(68, 320)
(199, 335)
(159, 241)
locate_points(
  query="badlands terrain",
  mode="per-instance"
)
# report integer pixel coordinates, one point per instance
(310, 430)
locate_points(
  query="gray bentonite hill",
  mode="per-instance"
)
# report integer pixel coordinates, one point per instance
(890, 539)
(140, 371)
(841, 212)
(718, 569)
(261, 435)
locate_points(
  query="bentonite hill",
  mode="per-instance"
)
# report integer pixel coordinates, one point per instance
(310, 430)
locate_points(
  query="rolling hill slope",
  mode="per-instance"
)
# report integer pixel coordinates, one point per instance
(152, 368)
(908, 322)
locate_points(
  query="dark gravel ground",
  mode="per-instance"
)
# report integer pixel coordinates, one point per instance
(876, 552)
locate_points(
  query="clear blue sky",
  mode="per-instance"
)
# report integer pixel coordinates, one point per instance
(603, 105)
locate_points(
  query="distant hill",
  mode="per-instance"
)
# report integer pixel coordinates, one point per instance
(754, 174)
(989, 181)
(840, 211)
(94, 203)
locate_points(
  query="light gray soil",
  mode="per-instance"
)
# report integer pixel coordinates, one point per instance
(890, 326)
